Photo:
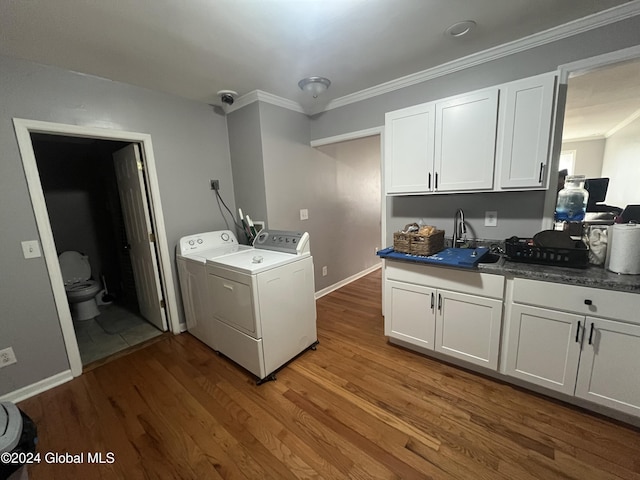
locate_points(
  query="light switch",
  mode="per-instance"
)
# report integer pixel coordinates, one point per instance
(304, 214)
(31, 249)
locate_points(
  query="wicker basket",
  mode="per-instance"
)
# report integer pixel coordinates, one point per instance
(416, 244)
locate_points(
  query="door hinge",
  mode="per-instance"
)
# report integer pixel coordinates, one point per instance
(162, 304)
(140, 165)
(152, 237)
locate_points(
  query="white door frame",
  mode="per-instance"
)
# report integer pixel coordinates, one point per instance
(24, 128)
(565, 71)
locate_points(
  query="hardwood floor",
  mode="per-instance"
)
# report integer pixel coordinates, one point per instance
(357, 407)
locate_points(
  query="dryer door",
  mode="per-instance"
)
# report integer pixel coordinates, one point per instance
(232, 303)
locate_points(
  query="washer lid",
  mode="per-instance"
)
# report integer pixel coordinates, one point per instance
(75, 267)
(254, 261)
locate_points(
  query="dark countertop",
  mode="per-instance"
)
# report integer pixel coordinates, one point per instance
(592, 276)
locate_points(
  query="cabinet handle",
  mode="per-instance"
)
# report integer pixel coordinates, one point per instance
(541, 170)
(578, 333)
(591, 334)
(436, 180)
(439, 302)
(430, 187)
(588, 302)
(432, 300)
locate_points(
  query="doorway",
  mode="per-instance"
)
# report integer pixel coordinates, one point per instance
(24, 130)
(83, 198)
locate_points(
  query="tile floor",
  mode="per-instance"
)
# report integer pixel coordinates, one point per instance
(115, 329)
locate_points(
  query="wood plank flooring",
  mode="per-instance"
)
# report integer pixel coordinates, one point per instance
(357, 407)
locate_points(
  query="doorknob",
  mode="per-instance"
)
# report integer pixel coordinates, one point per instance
(127, 246)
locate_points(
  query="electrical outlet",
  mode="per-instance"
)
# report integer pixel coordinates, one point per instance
(490, 219)
(304, 214)
(215, 185)
(7, 357)
(324, 271)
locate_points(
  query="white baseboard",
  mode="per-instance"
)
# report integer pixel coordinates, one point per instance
(38, 387)
(342, 283)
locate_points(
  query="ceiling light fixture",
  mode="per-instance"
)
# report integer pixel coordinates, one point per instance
(461, 28)
(314, 85)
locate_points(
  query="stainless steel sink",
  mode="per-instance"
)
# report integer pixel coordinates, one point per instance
(490, 258)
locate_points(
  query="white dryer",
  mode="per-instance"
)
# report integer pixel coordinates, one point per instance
(192, 253)
(263, 302)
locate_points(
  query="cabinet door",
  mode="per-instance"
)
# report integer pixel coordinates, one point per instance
(609, 365)
(409, 140)
(409, 313)
(465, 141)
(468, 327)
(525, 130)
(544, 347)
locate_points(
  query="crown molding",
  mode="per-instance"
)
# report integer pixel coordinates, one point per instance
(569, 29)
(584, 139)
(259, 95)
(627, 121)
(345, 137)
(572, 28)
(242, 101)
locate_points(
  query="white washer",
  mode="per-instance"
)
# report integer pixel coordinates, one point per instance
(192, 253)
(263, 302)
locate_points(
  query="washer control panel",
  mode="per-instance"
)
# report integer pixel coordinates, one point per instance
(206, 241)
(296, 243)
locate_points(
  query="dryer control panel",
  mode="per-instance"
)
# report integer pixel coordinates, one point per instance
(206, 241)
(296, 243)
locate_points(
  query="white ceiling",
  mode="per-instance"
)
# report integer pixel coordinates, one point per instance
(602, 101)
(195, 48)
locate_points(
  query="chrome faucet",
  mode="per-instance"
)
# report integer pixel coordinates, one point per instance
(459, 228)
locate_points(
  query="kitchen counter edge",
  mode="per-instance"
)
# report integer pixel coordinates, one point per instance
(592, 276)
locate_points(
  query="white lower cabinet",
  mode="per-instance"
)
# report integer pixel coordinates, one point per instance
(468, 327)
(610, 365)
(578, 354)
(544, 347)
(422, 310)
(410, 313)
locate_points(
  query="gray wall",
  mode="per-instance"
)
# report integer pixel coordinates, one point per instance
(622, 166)
(245, 143)
(339, 185)
(354, 217)
(190, 146)
(589, 156)
(510, 206)
(518, 213)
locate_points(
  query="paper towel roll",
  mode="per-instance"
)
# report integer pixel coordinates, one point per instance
(623, 254)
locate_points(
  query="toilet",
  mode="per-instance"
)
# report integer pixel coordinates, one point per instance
(81, 291)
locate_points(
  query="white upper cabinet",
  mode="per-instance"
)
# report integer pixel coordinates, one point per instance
(524, 132)
(465, 142)
(445, 146)
(497, 139)
(409, 147)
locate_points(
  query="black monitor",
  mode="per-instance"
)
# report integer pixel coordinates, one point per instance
(631, 213)
(597, 188)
